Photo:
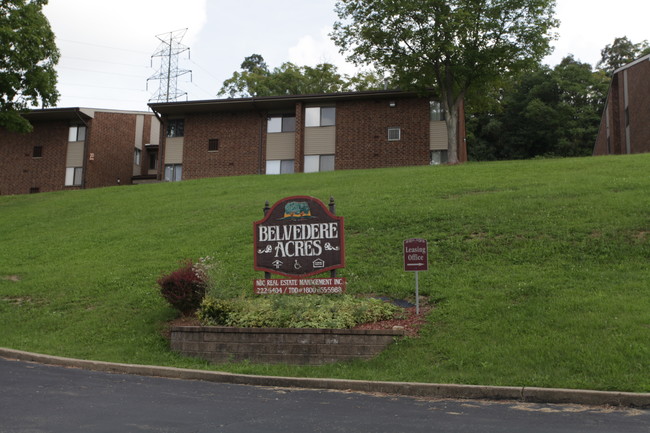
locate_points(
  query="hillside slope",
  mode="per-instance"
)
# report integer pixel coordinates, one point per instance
(538, 269)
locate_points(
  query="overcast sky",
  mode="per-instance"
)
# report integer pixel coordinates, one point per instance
(107, 46)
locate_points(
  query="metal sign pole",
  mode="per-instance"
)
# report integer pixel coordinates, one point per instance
(417, 294)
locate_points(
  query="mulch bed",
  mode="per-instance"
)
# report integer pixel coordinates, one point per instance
(408, 321)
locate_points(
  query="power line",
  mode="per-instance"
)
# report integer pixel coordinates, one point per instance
(102, 46)
(64, 57)
(100, 72)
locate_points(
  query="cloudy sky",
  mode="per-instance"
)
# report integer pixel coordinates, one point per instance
(107, 46)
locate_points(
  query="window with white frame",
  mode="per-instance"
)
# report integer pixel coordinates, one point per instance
(73, 176)
(438, 157)
(77, 133)
(436, 111)
(281, 123)
(320, 116)
(394, 134)
(279, 166)
(173, 172)
(316, 163)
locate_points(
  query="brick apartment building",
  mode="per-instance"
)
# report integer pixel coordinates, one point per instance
(625, 125)
(76, 148)
(303, 133)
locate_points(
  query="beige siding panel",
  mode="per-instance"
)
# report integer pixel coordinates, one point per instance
(75, 154)
(174, 150)
(438, 135)
(155, 131)
(320, 141)
(139, 130)
(280, 145)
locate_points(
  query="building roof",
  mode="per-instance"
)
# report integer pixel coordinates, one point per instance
(636, 62)
(265, 103)
(50, 114)
(70, 113)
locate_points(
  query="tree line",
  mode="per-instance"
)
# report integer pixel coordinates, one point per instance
(485, 54)
(543, 111)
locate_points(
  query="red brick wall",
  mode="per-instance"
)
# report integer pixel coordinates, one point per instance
(639, 107)
(299, 154)
(362, 133)
(240, 138)
(19, 171)
(111, 138)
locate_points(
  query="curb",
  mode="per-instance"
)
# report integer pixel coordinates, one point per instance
(407, 389)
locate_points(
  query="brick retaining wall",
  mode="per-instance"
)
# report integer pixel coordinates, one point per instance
(280, 345)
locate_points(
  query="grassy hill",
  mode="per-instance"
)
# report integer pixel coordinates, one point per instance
(538, 269)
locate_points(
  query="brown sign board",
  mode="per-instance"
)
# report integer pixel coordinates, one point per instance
(300, 237)
(416, 254)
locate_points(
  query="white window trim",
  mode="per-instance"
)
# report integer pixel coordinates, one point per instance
(392, 130)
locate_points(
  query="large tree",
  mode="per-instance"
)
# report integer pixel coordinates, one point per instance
(28, 55)
(255, 79)
(544, 112)
(621, 52)
(457, 48)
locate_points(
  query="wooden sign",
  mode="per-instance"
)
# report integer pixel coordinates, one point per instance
(299, 236)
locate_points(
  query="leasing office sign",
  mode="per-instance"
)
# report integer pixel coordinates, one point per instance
(300, 237)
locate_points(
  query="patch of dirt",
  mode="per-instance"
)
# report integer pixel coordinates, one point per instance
(14, 278)
(408, 320)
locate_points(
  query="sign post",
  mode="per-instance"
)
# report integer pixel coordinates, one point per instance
(416, 259)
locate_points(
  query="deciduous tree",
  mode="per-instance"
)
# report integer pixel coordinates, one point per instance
(457, 48)
(28, 55)
(621, 52)
(255, 79)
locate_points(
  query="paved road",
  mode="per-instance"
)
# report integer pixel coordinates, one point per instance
(38, 398)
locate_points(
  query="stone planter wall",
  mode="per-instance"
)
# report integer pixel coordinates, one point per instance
(279, 345)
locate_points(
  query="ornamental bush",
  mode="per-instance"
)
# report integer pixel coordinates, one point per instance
(295, 311)
(185, 288)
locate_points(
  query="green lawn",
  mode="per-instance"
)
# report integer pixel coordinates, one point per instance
(538, 269)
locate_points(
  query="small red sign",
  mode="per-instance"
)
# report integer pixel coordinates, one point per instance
(416, 255)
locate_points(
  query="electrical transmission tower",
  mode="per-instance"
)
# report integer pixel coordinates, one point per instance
(169, 50)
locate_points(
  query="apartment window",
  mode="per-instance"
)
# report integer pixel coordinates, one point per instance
(34, 190)
(77, 133)
(438, 157)
(153, 160)
(281, 123)
(213, 145)
(137, 156)
(394, 134)
(277, 166)
(436, 112)
(37, 152)
(73, 176)
(320, 116)
(316, 163)
(175, 128)
(173, 172)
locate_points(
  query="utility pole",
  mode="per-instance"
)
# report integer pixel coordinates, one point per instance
(169, 51)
